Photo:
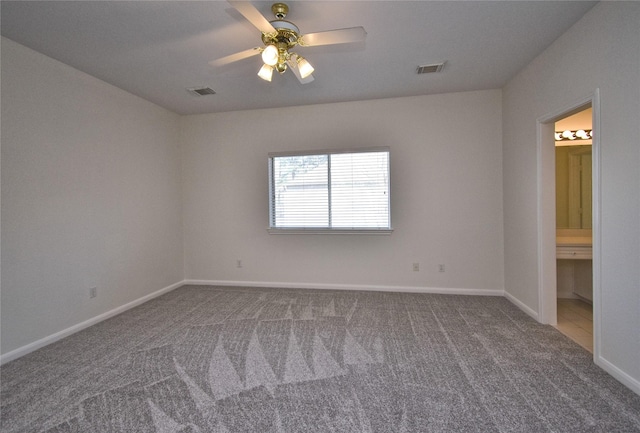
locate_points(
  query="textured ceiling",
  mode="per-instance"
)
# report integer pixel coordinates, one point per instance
(158, 49)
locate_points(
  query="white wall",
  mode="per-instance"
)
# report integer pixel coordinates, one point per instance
(90, 197)
(602, 51)
(91, 189)
(92, 193)
(446, 186)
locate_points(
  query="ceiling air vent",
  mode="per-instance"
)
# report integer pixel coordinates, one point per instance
(202, 91)
(428, 69)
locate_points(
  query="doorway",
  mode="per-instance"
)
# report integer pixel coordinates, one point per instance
(573, 174)
(547, 235)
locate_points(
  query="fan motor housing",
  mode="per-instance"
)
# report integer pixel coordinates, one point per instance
(286, 32)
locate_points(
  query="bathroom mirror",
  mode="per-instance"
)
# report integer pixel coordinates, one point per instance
(573, 187)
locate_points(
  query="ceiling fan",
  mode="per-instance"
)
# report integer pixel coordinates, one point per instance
(280, 36)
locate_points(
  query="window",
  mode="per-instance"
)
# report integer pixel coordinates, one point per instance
(330, 191)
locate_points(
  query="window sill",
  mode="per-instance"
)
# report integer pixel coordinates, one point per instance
(320, 231)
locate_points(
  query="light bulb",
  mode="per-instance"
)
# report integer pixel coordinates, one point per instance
(558, 136)
(582, 134)
(270, 55)
(304, 67)
(568, 134)
(266, 72)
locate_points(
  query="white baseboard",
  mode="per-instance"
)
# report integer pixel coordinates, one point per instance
(518, 303)
(567, 295)
(21, 351)
(621, 376)
(363, 287)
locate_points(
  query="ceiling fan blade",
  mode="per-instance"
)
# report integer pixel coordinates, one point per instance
(235, 57)
(253, 15)
(293, 65)
(340, 36)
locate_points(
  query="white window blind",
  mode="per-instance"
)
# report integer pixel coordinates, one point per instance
(330, 191)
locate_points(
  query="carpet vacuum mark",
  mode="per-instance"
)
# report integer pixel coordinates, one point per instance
(227, 360)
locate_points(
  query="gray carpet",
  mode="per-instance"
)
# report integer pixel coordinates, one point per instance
(227, 360)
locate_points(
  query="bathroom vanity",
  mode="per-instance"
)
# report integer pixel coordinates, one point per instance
(574, 253)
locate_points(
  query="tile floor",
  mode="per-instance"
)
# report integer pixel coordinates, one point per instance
(575, 320)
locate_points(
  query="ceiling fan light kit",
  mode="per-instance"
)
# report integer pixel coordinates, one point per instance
(270, 55)
(266, 72)
(277, 44)
(280, 36)
(304, 67)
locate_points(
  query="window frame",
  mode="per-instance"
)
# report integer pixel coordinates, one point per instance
(327, 230)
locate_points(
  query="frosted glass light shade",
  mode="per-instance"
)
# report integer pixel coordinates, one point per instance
(270, 55)
(305, 67)
(266, 72)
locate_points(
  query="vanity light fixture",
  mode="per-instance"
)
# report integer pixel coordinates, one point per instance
(580, 134)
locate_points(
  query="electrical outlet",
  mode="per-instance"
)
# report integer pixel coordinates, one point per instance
(93, 292)
(416, 267)
(440, 268)
(238, 263)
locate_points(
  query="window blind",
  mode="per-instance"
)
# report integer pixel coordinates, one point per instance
(330, 190)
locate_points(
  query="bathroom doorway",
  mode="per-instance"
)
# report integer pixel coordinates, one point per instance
(574, 223)
(547, 217)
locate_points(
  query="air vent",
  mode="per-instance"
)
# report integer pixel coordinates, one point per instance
(429, 69)
(202, 91)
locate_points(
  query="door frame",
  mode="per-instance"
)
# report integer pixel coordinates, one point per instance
(546, 213)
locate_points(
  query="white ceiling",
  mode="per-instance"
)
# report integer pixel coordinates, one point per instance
(158, 49)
